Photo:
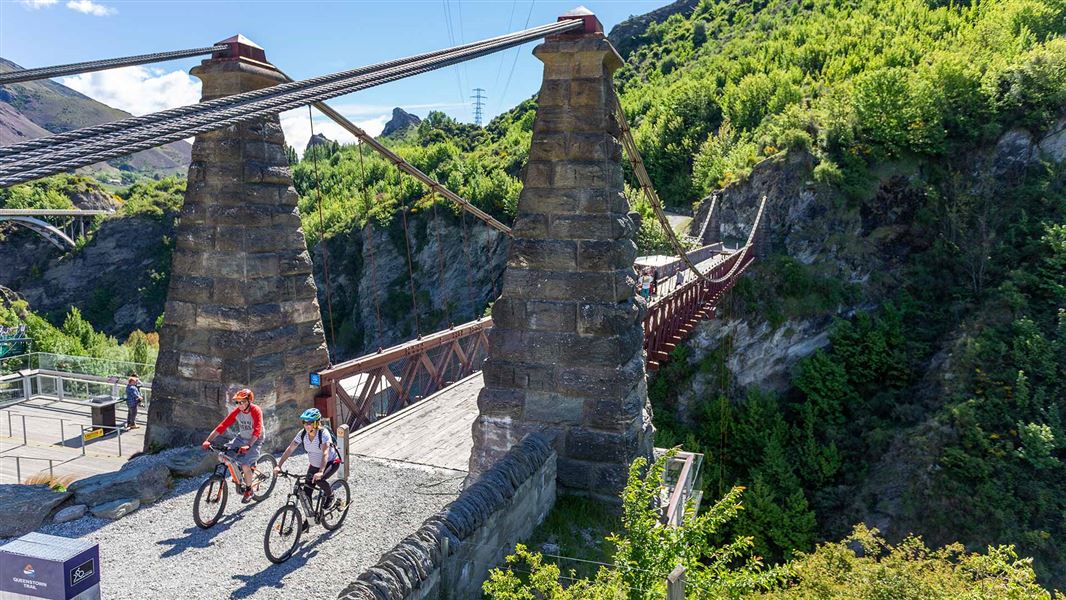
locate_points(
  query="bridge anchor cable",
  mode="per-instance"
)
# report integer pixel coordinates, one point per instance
(630, 146)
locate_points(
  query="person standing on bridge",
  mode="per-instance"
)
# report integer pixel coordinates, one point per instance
(249, 440)
(133, 400)
(680, 280)
(645, 285)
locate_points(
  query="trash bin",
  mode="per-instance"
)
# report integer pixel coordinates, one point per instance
(47, 566)
(103, 409)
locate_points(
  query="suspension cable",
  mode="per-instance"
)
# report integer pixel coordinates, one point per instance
(128, 123)
(440, 267)
(102, 65)
(322, 237)
(410, 169)
(242, 111)
(370, 247)
(469, 269)
(410, 270)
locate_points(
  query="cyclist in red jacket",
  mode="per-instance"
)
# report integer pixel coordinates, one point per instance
(249, 440)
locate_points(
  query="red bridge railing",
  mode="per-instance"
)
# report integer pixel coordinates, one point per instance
(364, 389)
(672, 317)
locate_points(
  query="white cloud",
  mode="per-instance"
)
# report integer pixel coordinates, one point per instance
(88, 7)
(297, 127)
(35, 4)
(138, 90)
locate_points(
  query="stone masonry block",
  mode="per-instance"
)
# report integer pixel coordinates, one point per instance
(572, 201)
(600, 446)
(588, 92)
(552, 255)
(591, 227)
(546, 407)
(597, 255)
(496, 402)
(608, 318)
(530, 226)
(537, 173)
(582, 287)
(548, 147)
(554, 92)
(198, 366)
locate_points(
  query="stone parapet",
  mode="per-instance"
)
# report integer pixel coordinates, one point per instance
(565, 353)
(451, 554)
(241, 308)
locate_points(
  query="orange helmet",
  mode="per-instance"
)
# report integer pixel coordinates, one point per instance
(244, 394)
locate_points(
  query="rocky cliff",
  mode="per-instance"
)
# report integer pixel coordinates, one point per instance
(456, 273)
(400, 122)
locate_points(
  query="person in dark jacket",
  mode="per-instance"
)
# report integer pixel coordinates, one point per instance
(133, 400)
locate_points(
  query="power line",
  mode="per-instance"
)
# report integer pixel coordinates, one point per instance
(516, 52)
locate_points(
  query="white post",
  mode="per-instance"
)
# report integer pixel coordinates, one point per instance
(27, 387)
(342, 438)
(675, 584)
(59, 387)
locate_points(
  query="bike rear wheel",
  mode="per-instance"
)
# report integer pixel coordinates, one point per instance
(264, 477)
(283, 533)
(210, 501)
(342, 495)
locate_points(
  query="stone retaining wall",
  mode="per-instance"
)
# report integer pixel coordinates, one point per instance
(451, 554)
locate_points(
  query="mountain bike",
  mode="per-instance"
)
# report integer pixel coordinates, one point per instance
(211, 497)
(283, 531)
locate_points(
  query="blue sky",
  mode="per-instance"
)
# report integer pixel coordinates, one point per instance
(303, 38)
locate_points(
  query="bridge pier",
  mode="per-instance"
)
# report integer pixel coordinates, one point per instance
(241, 308)
(565, 353)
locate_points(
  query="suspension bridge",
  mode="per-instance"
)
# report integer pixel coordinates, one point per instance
(566, 351)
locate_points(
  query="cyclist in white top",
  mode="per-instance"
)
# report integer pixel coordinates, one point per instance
(322, 455)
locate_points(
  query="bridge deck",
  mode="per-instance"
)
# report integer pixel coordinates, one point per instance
(433, 432)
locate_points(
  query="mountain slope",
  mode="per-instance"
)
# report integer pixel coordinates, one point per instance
(36, 108)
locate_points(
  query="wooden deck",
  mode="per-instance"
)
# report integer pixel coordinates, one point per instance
(53, 431)
(432, 432)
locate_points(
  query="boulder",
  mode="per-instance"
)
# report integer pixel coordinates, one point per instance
(24, 507)
(189, 461)
(116, 509)
(145, 480)
(70, 513)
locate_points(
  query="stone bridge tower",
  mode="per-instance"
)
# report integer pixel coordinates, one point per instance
(565, 353)
(241, 309)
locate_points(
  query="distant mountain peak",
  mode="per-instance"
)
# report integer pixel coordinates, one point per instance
(401, 121)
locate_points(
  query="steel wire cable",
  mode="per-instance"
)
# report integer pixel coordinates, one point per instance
(143, 138)
(126, 124)
(102, 65)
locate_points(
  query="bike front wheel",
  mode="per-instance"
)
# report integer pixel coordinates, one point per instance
(264, 477)
(210, 501)
(283, 533)
(342, 499)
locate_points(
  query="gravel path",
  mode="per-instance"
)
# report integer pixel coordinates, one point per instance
(158, 552)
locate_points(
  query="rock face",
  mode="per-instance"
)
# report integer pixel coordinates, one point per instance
(565, 353)
(628, 35)
(319, 139)
(24, 507)
(124, 256)
(457, 261)
(241, 308)
(401, 121)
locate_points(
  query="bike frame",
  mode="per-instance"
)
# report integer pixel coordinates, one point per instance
(299, 492)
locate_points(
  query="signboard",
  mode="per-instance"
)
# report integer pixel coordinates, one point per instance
(92, 435)
(315, 379)
(46, 566)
